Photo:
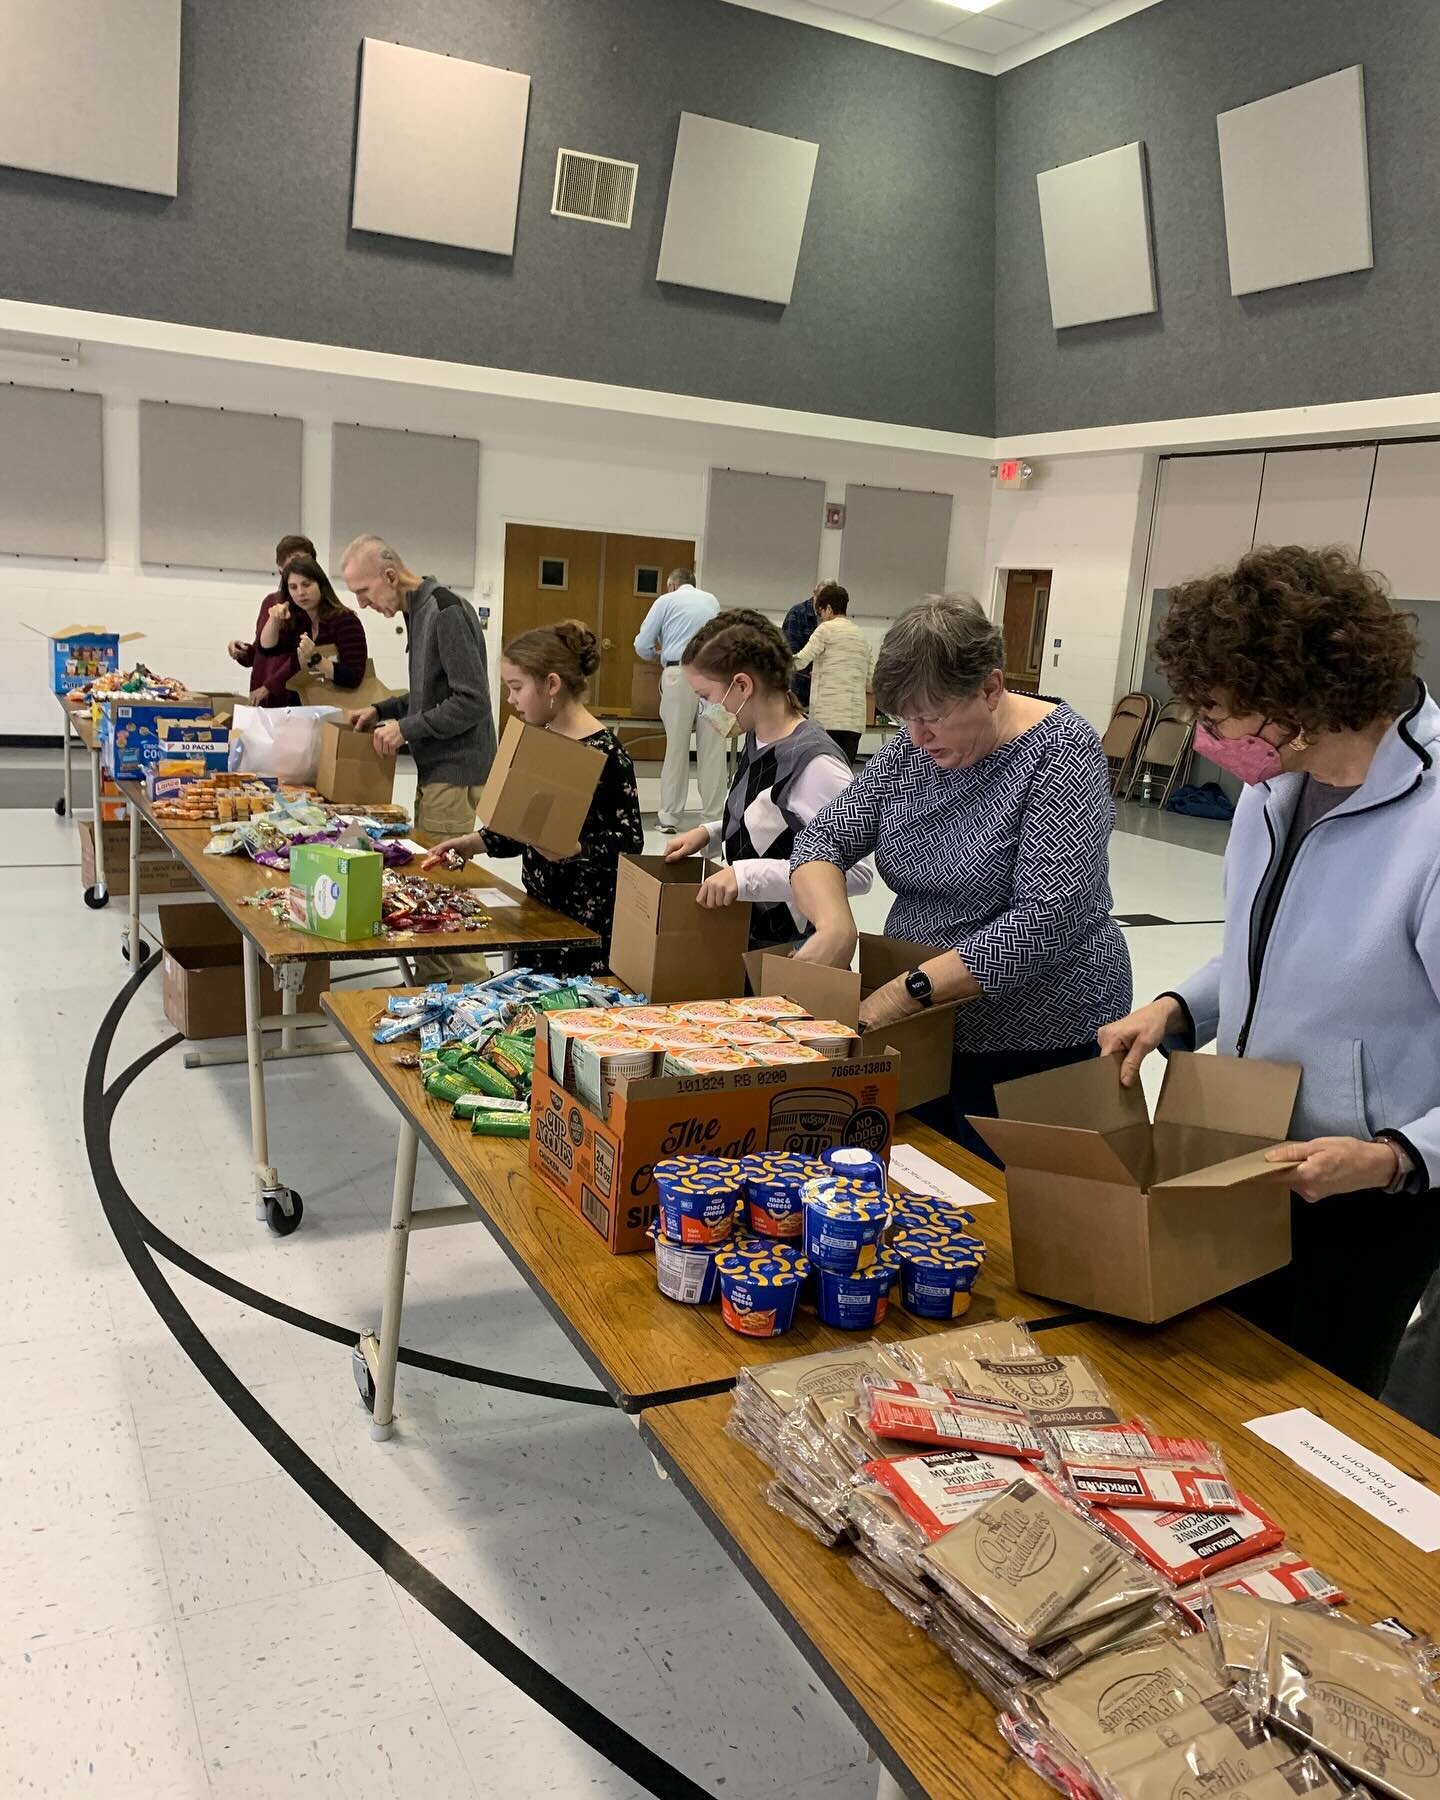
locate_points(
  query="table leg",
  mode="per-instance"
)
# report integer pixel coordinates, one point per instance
(67, 791)
(102, 887)
(381, 1355)
(288, 997)
(134, 948)
(264, 1175)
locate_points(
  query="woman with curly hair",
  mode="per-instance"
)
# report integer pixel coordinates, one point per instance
(1303, 677)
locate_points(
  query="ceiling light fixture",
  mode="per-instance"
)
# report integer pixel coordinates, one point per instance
(973, 5)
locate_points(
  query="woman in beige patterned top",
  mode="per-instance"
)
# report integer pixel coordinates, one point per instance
(840, 655)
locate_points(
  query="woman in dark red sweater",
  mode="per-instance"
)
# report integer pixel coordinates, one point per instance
(294, 623)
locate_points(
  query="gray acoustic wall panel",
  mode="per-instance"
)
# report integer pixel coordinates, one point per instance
(1162, 76)
(1095, 220)
(217, 489)
(736, 210)
(1296, 184)
(895, 547)
(438, 147)
(52, 491)
(762, 539)
(891, 318)
(418, 492)
(92, 90)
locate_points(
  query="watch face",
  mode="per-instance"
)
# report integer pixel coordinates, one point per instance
(917, 984)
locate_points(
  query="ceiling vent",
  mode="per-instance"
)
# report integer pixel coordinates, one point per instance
(597, 188)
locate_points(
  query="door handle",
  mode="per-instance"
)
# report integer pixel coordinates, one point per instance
(606, 644)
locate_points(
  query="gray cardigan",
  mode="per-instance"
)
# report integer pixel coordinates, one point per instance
(446, 715)
(1348, 984)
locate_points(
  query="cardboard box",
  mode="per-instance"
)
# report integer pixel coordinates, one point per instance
(665, 946)
(605, 1169)
(113, 808)
(312, 692)
(1112, 1212)
(78, 653)
(129, 739)
(645, 691)
(206, 742)
(167, 877)
(335, 891)
(925, 1042)
(350, 771)
(202, 979)
(222, 706)
(540, 789)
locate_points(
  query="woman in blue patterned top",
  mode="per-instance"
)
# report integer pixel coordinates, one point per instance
(989, 819)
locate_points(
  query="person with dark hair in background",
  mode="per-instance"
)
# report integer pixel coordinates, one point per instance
(990, 820)
(739, 667)
(669, 626)
(1302, 675)
(270, 669)
(306, 618)
(839, 653)
(798, 629)
(546, 675)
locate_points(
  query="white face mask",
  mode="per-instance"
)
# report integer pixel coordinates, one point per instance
(719, 717)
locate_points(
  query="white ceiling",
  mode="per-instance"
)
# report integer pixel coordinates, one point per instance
(1005, 34)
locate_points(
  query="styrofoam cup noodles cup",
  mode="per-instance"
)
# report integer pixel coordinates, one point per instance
(781, 1056)
(760, 1286)
(707, 1012)
(832, 1039)
(857, 1301)
(685, 1272)
(750, 1034)
(601, 1064)
(937, 1270)
(698, 1199)
(844, 1223)
(722, 1060)
(564, 1029)
(772, 1007)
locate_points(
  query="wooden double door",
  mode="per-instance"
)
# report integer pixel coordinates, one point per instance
(607, 580)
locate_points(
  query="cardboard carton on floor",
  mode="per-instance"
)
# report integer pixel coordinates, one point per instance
(604, 1168)
(203, 982)
(350, 771)
(664, 945)
(161, 877)
(645, 691)
(78, 653)
(1145, 1220)
(540, 788)
(925, 1041)
(335, 891)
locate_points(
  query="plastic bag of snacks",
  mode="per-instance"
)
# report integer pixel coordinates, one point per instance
(1131, 1464)
(921, 1414)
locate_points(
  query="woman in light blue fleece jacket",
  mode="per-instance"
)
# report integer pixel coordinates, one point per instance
(1303, 676)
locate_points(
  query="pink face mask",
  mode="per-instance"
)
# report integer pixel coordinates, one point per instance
(1253, 758)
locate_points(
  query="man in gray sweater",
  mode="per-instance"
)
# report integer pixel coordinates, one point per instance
(445, 718)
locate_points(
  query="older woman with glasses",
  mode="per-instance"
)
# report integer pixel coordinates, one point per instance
(989, 819)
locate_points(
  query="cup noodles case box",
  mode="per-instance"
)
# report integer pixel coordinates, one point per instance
(604, 1168)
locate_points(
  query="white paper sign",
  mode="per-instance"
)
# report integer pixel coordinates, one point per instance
(1347, 1468)
(495, 897)
(920, 1174)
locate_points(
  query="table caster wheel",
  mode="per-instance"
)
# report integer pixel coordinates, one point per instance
(143, 950)
(364, 1380)
(283, 1210)
(96, 897)
(60, 807)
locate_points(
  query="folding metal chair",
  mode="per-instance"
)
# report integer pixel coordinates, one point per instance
(1129, 724)
(1166, 750)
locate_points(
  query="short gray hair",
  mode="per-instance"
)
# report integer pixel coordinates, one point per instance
(680, 578)
(368, 545)
(935, 653)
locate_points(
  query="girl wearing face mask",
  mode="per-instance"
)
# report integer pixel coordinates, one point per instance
(740, 667)
(1303, 677)
(546, 675)
(990, 819)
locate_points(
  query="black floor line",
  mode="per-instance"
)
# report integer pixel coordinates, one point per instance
(568, 1708)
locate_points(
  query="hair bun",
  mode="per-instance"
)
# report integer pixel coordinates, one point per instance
(582, 644)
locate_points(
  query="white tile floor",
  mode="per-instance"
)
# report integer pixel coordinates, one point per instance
(177, 1618)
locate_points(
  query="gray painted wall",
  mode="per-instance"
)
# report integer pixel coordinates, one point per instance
(1162, 75)
(893, 306)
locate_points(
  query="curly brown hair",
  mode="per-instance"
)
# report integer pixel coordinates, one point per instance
(1306, 637)
(570, 650)
(741, 642)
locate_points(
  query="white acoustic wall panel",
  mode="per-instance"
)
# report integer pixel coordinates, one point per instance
(1315, 497)
(1204, 515)
(762, 539)
(418, 492)
(1400, 535)
(217, 489)
(92, 90)
(736, 209)
(1095, 222)
(1296, 184)
(52, 490)
(895, 547)
(438, 148)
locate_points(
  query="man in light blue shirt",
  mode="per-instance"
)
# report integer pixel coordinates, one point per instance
(669, 626)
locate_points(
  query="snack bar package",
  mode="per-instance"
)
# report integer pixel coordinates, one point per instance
(1054, 1390)
(1182, 1546)
(921, 1414)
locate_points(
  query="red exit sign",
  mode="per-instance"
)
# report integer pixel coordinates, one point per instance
(1012, 474)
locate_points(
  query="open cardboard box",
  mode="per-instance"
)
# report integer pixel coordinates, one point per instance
(203, 980)
(78, 653)
(645, 690)
(350, 772)
(540, 788)
(925, 1042)
(604, 1168)
(664, 945)
(1112, 1212)
(309, 690)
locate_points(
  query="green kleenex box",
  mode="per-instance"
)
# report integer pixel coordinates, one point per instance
(335, 891)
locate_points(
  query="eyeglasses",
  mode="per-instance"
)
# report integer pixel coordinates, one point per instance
(927, 721)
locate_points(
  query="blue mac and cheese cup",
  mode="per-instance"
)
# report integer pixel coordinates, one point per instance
(937, 1271)
(760, 1286)
(698, 1198)
(859, 1165)
(775, 1190)
(929, 1209)
(856, 1302)
(844, 1223)
(685, 1272)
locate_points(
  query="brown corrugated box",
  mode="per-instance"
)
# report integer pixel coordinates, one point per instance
(665, 946)
(350, 772)
(168, 877)
(540, 788)
(1114, 1213)
(202, 979)
(645, 691)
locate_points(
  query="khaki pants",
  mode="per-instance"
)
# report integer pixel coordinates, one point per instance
(678, 709)
(445, 810)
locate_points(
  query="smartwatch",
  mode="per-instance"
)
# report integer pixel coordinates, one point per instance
(919, 987)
